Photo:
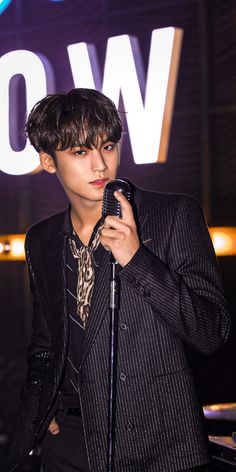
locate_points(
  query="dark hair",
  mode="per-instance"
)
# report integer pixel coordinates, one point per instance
(64, 120)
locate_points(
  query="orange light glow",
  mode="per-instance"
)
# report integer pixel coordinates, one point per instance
(224, 240)
(12, 247)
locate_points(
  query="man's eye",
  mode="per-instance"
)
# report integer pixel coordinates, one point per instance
(109, 147)
(80, 152)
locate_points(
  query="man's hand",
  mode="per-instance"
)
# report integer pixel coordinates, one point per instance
(120, 235)
(54, 427)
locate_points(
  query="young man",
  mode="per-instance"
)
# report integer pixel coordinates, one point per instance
(170, 294)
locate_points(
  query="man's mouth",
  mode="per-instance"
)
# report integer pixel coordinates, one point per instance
(99, 183)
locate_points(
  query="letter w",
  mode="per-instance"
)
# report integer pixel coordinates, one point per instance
(148, 110)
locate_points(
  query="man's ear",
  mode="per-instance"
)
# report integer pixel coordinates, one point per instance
(47, 162)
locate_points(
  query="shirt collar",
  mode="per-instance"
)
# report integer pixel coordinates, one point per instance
(67, 224)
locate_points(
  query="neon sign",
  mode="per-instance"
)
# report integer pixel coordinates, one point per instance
(148, 103)
(4, 4)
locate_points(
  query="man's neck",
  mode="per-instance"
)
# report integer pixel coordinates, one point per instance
(84, 220)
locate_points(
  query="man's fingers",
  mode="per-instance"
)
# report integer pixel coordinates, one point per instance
(120, 234)
(114, 222)
(127, 215)
(111, 223)
(126, 208)
(54, 427)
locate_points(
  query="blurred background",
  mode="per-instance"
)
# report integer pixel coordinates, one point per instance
(200, 158)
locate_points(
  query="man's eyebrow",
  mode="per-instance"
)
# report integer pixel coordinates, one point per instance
(101, 142)
(107, 140)
(79, 145)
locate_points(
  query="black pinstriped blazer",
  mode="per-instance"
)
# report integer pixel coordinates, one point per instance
(171, 294)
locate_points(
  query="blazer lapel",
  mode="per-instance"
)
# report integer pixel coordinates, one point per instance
(100, 300)
(100, 304)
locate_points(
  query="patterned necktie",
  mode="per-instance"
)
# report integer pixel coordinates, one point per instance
(86, 275)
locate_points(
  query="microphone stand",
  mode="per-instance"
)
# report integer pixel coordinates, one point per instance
(114, 312)
(112, 207)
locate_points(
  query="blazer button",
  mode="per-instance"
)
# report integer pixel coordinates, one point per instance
(123, 326)
(129, 427)
(123, 377)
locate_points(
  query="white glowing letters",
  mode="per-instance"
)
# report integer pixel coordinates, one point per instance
(124, 75)
(36, 72)
(148, 103)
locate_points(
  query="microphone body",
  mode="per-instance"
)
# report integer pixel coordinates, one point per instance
(111, 206)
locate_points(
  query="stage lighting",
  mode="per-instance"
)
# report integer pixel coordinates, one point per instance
(12, 247)
(224, 240)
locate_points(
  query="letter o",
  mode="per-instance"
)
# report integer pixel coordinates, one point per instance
(38, 76)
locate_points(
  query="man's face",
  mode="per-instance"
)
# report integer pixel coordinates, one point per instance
(84, 172)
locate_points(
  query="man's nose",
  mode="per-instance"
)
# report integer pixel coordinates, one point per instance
(98, 162)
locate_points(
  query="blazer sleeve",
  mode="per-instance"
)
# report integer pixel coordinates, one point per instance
(39, 357)
(185, 291)
(40, 352)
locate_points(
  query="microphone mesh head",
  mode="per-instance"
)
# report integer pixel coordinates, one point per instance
(111, 206)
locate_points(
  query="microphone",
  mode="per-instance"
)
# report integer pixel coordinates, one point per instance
(111, 206)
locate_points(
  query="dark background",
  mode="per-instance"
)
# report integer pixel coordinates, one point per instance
(201, 158)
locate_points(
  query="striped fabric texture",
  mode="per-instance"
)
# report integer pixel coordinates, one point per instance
(171, 295)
